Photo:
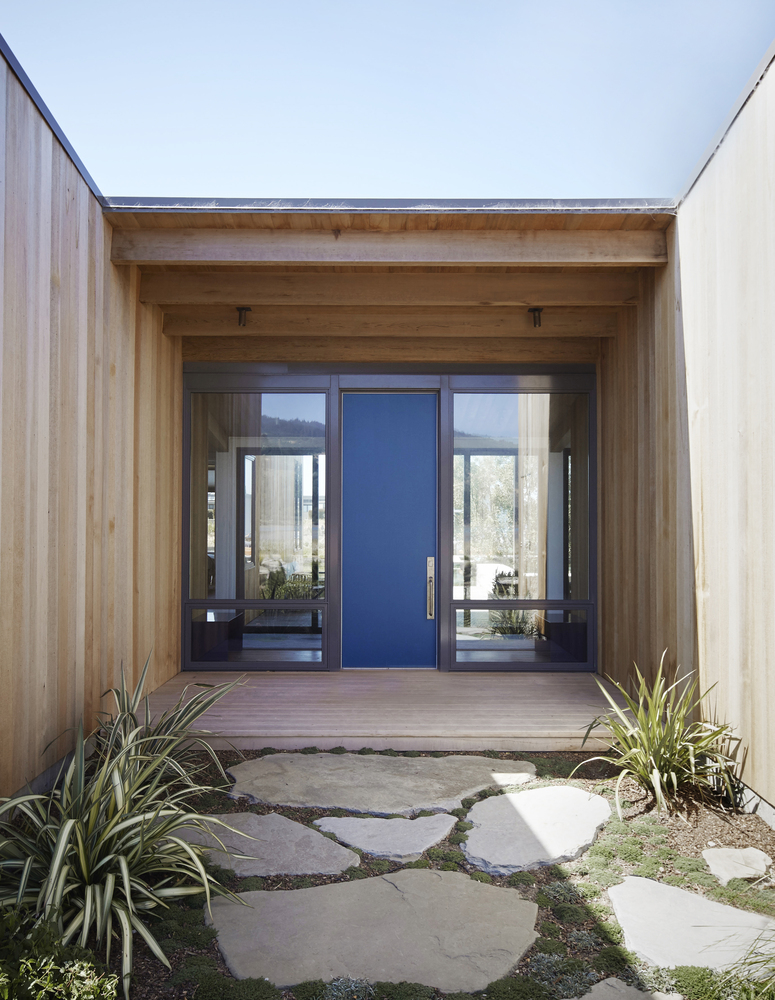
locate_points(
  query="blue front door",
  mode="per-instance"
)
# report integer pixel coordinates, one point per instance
(389, 484)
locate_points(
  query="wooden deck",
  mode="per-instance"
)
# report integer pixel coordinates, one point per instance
(398, 709)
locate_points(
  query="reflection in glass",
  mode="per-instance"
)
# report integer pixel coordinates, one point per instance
(521, 635)
(257, 496)
(243, 635)
(521, 496)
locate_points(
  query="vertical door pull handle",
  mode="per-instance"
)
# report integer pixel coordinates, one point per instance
(431, 588)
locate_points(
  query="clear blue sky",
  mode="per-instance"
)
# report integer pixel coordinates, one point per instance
(428, 98)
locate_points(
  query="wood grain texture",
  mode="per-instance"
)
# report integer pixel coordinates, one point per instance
(398, 709)
(392, 222)
(369, 349)
(727, 246)
(246, 246)
(646, 559)
(387, 321)
(277, 288)
(82, 369)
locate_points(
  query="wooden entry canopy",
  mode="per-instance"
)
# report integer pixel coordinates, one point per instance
(409, 286)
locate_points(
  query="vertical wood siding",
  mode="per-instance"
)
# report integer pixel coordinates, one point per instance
(726, 229)
(89, 455)
(646, 558)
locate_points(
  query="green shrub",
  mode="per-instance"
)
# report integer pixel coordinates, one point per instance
(411, 753)
(515, 988)
(380, 865)
(521, 878)
(365, 751)
(402, 991)
(481, 877)
(449, 866)
(337, 750)
(612, 959)
(193, 968)
(101, 853)
(309, 750)
(458, 838)
(420, 863)
(310, 989)
(630, 850)
(463, 826)
(355, 873)
(34, 965)
(655, 742)
(608, 932)
(444, 854)
(550, 946)
(602, 851)
(695, 982)
(550, 930)
(571, 913)
(389, 753)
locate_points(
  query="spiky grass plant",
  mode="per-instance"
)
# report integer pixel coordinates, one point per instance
(173, 731)
(103, 852)
(659, 741)
(757, 967)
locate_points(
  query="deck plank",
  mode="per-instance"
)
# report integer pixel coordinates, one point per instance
(398, 709)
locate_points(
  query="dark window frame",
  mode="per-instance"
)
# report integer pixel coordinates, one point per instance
(445, 380)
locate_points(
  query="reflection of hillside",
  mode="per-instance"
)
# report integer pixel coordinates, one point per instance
(281, 428)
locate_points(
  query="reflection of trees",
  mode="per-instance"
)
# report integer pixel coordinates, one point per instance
(492, 507)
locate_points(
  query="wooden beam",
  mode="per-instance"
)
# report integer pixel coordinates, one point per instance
(365, 349)
(438, 247)
(381, 321)
(269, 288)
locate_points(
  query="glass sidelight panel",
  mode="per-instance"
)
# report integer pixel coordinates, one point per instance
(521, 635)
(257, 514)
(244, 635)
(521, 497)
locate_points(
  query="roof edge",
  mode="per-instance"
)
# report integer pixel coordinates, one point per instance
(713, 147)
(53, 124)
(403, 206)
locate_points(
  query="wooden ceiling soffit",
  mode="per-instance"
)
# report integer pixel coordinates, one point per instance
(402, 349)
(440, 247)
(386, 321)
(275, 288)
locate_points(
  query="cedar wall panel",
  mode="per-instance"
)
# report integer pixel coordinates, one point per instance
(645, 551)
(89, 400)
(726, 230)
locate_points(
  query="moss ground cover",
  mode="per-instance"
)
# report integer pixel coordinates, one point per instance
(579, 941)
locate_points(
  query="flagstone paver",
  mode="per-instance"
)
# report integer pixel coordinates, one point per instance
(373, 784)
(442, 929)
(615, 989)
(668, 926)
(736, 862)
(542, 826)
(394, 839)
(279, 847)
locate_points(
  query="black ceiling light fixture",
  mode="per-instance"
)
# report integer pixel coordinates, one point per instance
(536, 311)
(243, 315)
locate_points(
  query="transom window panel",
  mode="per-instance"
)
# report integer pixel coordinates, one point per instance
(521, 496)
(258, 499)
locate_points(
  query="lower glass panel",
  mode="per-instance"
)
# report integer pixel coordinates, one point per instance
(508, 635)
(254, 635)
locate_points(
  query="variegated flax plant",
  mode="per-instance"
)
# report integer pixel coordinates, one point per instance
(660, 741)
(102, 854)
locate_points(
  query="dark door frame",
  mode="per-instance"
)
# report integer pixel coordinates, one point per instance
(333, 380)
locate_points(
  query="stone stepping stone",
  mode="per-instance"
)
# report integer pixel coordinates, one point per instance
(615, 989)
(372, 784)
(668, 926)
(732, 862)
(394, 839)
(280, 847)
(442, 929)
(543, 826)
